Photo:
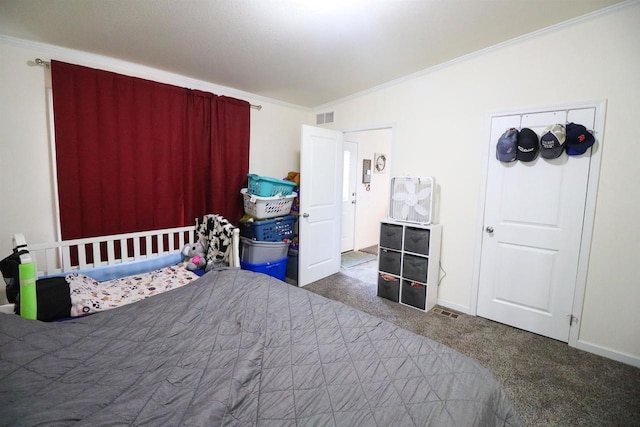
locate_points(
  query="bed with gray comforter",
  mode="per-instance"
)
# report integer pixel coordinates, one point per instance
(237, 348)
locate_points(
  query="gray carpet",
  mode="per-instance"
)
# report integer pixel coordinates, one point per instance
(550, 383)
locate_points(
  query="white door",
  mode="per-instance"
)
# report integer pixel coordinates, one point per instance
(319, 224)
(533, 223)
(349, 181)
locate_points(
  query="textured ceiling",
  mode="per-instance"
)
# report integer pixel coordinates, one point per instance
(302, 52)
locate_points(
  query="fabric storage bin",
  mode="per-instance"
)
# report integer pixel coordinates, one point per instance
(256, 252)
(414, 294)
(271, 230)
(415, 268)
(267, 207)
(416, 240)
(389, 262)
(275, 269)
(391, 236)
(388, 287)
(269, 187)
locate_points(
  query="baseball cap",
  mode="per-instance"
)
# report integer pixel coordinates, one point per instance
(579, 139)
(507, 146)
(528, 145)
(552, 141)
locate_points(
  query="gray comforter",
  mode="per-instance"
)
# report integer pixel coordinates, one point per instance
(238, 348)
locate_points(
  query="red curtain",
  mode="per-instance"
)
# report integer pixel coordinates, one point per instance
(136, 155)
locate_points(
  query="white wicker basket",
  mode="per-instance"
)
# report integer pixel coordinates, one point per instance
(412, 199)
(267, 207)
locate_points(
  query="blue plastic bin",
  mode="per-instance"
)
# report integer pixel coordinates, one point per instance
(277, 269)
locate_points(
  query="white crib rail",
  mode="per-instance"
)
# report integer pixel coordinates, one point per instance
(57, 257)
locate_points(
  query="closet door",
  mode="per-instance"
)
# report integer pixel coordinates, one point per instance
(533, 222)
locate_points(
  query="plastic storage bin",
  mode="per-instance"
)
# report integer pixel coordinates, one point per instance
(255, 252)
(271, 230)
(269, 187)
(388, 287)
(267, 207)
(275, 269)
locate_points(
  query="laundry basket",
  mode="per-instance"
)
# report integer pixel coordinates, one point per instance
(270, 230)
(267, 207)
(268, 187)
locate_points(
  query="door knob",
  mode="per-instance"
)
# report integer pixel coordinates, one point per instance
(489, 229)
(305, 215)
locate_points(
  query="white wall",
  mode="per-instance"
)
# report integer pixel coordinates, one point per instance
(275, 139)
(440, 123)
(26, 191)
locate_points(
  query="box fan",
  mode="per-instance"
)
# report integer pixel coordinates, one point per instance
(412, 199)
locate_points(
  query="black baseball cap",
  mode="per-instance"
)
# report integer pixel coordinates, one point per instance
(528, 145)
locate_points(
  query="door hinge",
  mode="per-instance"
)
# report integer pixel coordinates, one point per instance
(572, 319)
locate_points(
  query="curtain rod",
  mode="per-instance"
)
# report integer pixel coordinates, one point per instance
(47, 64)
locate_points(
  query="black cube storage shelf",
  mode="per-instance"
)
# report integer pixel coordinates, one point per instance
(409, 263)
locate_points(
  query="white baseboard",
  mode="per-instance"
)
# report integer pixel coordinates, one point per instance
(609, 353)
(453, 306)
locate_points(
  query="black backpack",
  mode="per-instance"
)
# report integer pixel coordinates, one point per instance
(53, 296)
(9, 268)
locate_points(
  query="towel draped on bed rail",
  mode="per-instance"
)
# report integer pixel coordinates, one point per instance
(217, 234)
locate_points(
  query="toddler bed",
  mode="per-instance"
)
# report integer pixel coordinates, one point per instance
(107, 271)
(236, 347)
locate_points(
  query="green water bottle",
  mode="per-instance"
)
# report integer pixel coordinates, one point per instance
(28, 299)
